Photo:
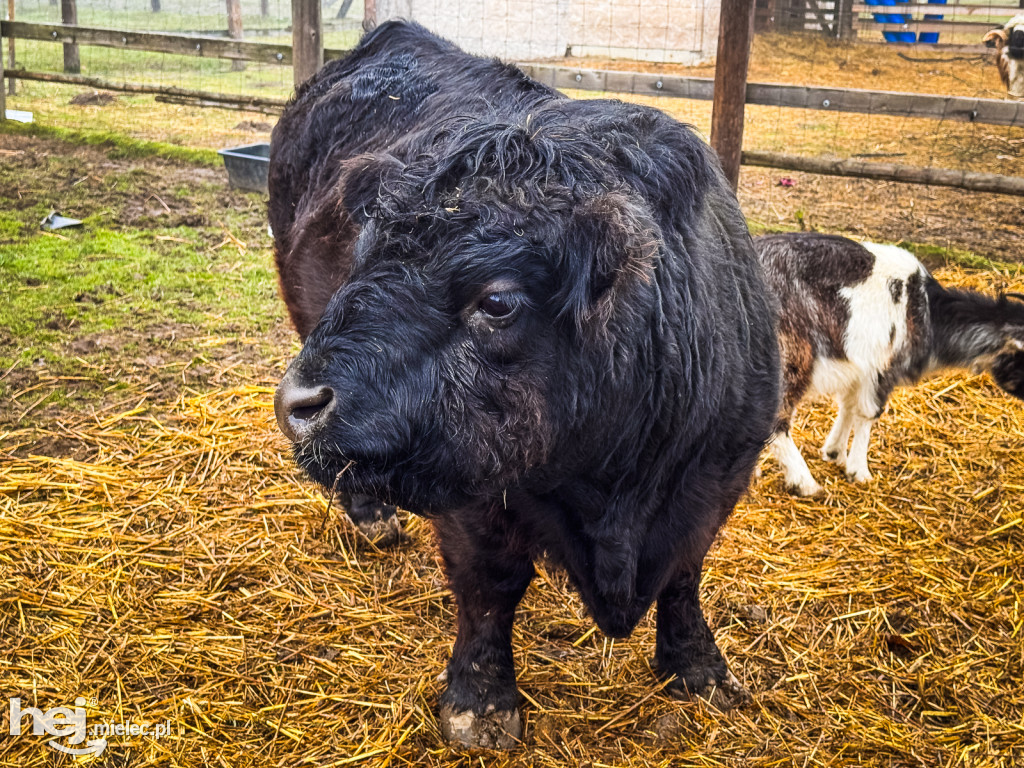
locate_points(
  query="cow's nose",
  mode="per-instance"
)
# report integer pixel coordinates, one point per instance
(300, 408)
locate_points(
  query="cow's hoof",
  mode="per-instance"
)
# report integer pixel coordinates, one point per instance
(725, 694)
(806, 488)
(721, 694)
(382, 532)
(496, 729)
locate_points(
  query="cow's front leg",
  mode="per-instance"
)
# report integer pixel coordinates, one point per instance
(685, 648)
(488, 577)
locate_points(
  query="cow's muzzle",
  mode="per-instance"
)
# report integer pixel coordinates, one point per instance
(301, 407)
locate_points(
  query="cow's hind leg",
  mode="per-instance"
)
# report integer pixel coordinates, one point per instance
(685, 649)
(376, 520)
(488, 577)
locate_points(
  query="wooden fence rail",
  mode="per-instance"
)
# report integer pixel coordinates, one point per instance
(889, 103)
(155, 42)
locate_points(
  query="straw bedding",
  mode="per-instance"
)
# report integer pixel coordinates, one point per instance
(182, 570)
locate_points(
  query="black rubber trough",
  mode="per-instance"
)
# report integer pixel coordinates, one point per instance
(247, 166)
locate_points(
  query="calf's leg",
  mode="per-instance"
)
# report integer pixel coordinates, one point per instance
(488, 577)
(870, 405)
(838, 438)
(857, 463)
(798, 477)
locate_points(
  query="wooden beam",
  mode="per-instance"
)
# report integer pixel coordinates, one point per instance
(735, 30)
(69, 17)
(907, 174)
(3, 91)
(965, 27)
(192, 101)
(889, 103)
(183, 45)
(169, 90)
(234, 9)
(307, 39)
(950, 10)
(12, 62)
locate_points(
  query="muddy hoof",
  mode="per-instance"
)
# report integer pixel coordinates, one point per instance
(721, 694)
(493, 730)
(382, 532)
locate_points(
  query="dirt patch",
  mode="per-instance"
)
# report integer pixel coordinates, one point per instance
(83, 180)
(93, 99)
(989, 225)
(256, 126)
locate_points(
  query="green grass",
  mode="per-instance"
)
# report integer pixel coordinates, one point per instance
(98, 280)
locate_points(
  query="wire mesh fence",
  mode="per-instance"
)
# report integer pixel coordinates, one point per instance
(922, 106)
(260, 21)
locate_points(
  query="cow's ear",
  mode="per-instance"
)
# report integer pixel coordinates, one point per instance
(365, 184)
(610, 247)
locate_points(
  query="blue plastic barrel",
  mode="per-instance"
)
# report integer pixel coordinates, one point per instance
(931, 37)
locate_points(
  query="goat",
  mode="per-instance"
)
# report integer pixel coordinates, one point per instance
(1008, 41)
(856, 321)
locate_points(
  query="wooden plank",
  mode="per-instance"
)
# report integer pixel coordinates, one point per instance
(907, 174)
(169, 90)
(183, 45)
(966, 27)
(192, 101)
(735, 31)
(948, 10)
(307, 39)
(890, 103)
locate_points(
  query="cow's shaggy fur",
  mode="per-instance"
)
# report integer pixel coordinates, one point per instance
(858, 320)
(539, 322)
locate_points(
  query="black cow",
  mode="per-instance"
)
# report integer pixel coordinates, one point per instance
(538, 322)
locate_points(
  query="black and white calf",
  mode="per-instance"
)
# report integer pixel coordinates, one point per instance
(856, 321)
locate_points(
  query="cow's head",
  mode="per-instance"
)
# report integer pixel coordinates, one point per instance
(488, 298)
(1008, 40)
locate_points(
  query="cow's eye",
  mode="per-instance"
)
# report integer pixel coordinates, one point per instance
(500, 306)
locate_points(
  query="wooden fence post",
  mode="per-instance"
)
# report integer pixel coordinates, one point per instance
(735, 30)
(844, 19)
(307, 39)
(69, 15)
(11, 87)
(3, 93)
(235, 30)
